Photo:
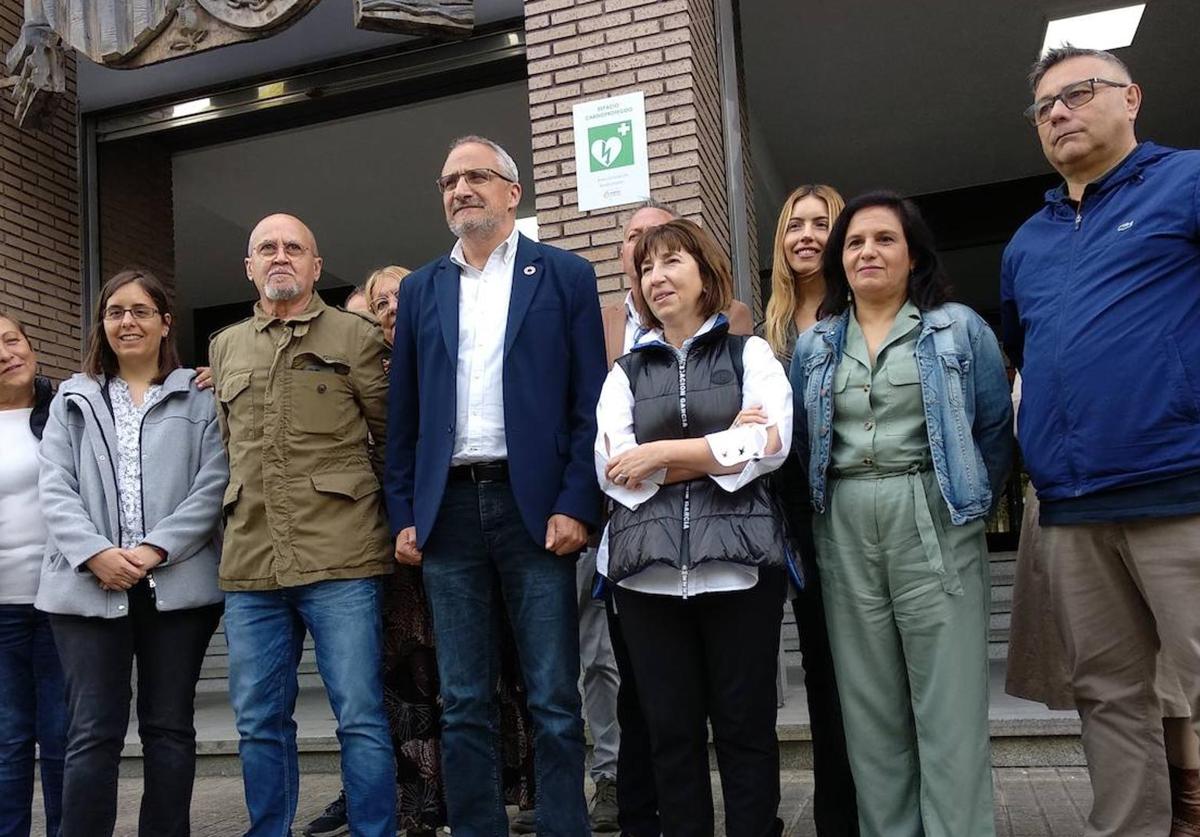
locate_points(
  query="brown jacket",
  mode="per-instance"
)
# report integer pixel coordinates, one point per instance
(740, 322)
(296, 400)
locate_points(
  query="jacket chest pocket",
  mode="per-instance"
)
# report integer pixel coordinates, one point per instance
(322, 399)
(237, 402)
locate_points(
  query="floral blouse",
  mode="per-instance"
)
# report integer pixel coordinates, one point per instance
(128, 419)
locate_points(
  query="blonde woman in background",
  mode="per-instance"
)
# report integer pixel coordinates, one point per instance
(410, 683)
(797, 288)
(382, 290)
(797, 281)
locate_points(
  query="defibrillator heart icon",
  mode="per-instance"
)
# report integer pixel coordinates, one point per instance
(606, 150)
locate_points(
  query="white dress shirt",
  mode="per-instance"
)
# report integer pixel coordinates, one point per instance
(483, 297)
(764, 384)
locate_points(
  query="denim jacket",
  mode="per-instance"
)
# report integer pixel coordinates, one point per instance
(968, 412)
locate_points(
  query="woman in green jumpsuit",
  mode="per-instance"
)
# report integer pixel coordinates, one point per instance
(906, 405)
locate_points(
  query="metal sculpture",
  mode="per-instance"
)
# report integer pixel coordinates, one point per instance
(127, 34)
(447, 17)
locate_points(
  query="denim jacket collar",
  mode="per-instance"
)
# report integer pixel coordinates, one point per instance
(934, 319)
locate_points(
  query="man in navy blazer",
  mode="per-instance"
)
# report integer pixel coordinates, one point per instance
(497, 365)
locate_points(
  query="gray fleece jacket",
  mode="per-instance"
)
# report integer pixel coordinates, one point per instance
(184, 473)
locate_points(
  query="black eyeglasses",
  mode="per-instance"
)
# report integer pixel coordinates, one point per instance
(115, 313)
(474, 177)
(1074, 96)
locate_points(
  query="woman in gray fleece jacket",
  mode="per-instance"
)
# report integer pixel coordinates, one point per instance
(132, 478)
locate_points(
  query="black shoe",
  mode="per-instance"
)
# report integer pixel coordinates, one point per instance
(333, 821)
(603, 816)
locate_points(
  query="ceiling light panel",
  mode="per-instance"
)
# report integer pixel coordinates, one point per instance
(1110, 29)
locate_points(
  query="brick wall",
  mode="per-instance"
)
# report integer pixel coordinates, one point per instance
(39, 220)
(137, 223)
(581, 51)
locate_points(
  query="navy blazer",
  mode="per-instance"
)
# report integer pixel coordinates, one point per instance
(554, 367)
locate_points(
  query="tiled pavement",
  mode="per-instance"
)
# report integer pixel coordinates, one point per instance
(1034, 802)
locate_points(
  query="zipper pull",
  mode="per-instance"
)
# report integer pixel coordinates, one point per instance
(150, 580)
(1078, 220)
(683, 572)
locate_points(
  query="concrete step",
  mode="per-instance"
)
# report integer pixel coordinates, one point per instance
(214, 674)
(1023, 734)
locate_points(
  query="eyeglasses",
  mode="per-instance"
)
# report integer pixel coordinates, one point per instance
(380, 304)
(1073, 96)
(474, 178)
(115, 313)
(270, 249)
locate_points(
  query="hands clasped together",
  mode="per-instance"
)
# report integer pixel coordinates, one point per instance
(120, 569)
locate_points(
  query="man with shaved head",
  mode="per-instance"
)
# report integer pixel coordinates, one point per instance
(300, 385)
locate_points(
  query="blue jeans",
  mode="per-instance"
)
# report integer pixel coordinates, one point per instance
(479, 558)
(33, 708)
(265, 631)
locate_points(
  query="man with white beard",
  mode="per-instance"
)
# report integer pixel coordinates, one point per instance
(299, 387)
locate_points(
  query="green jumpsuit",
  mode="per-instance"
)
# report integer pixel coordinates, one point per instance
(906, 600)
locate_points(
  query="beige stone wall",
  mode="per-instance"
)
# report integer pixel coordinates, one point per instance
(581, 51)
(39, 220)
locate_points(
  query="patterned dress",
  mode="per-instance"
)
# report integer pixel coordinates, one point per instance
(410, 696)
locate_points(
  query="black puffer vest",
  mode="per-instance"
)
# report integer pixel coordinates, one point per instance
(689, 523)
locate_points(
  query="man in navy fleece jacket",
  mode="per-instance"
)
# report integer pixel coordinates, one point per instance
(1101, 312)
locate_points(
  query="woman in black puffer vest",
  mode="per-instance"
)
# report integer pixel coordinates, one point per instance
(689, 424)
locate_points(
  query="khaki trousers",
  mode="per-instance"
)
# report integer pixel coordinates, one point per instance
(1121, 591)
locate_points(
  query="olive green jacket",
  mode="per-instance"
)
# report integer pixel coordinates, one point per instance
(296, 400)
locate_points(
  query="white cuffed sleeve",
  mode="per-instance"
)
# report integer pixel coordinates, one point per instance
(614, 435)
(764, 384)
